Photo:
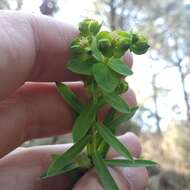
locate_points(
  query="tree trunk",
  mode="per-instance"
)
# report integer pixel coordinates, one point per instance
(155, 100)
(185, 94)
(112, 15)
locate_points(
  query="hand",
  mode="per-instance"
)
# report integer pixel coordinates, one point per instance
(36, 49)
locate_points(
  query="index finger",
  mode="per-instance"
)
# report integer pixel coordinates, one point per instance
(34, 48)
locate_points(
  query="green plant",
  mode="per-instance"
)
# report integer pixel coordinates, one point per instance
(97, 55)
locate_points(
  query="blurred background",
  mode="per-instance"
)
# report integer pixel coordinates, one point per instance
(161, 80)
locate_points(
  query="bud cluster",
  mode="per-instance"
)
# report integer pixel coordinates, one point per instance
(110, 44)
(98, 53)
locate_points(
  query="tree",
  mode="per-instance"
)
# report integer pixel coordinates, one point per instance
(166, 25)
(4, 4)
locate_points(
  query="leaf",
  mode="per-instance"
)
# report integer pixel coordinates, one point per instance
(119, 67)
(109, 116)
(69, 97)
(95, 51)
(106, 179)
(55, 157)
(106, 79)
(120, 119)
(84, 122)
(113, 141)
(108, 119)
(66, 169)
(68, 156)
(130, 163)
(81, 67)
(116, 102)
(112, 125)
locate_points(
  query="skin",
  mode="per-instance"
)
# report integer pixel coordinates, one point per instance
(33, 54)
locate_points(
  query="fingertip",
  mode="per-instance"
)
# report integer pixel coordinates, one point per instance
(130, 98)
(132, 142)
(128, 59)
(136, 177)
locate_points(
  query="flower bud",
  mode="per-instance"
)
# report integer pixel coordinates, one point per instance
(121, 41)
(80, 45)
(104, 44)
(76, 49)
(89, 26)
(121, 87)
(139, 44)
(125, 43)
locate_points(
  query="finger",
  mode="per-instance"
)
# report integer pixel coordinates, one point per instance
(131, 141)
(34, 48)
(35, 111)
(128, 59)
(126, 179)
(35, 160)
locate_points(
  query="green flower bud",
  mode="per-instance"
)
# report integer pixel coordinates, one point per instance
(125, 43)
(104, 41)
(135, 38)
(121, 42)
(89, 26)
(80, 45)
(76, 49)
(94, 27)
(139, 44)
(121, 87)
(104, 44)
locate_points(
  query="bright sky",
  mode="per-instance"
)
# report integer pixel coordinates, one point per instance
(72, 11)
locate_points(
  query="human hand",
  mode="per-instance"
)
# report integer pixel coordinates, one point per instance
(36, 49)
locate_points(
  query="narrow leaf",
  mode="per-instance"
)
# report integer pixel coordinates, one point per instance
(106, 79)
(95, 52)
(84, 122)
(120, 119)
(106, 179)
(80, 67)
(66, 169)
(109, 116)
(55, 156)
(113, 141)
(121, 68)
(116, 102)
(130, 163)
(69, 97)
(68, 156)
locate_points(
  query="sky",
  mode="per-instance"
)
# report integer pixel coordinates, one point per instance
(72, 11)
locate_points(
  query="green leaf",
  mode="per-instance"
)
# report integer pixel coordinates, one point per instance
(81, 67)
(120, 119)
(130, 163)
(84, 122)
(67, 157)
(106, 179)
(66, 169)
(106, 79)
(69, 97)
(119, 67)
(55, 156)
(113, 141)
(109, 116)
(95, 51)
(116, 102)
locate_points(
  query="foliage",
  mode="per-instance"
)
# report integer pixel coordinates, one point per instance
(97, 55)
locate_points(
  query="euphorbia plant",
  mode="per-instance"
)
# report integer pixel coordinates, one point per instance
(97, 55)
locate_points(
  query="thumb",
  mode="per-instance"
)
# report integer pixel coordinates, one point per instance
(126, 179)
